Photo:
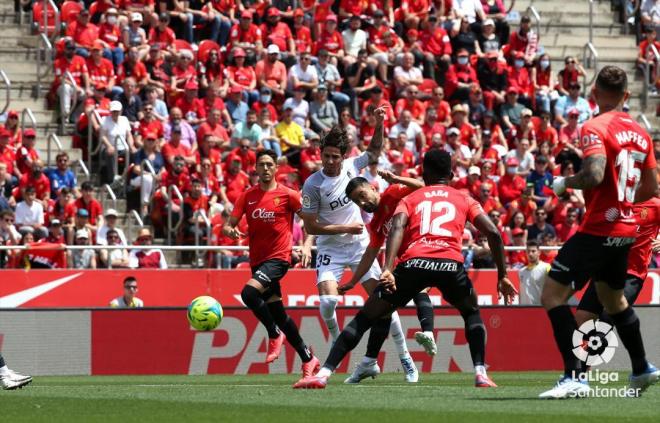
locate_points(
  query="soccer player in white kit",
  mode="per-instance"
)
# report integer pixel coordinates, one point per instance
(342, 239)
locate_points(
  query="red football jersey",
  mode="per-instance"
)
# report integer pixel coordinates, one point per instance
(270, 221)
(436, 220)
(629, 150)
(382, 218)
(647, 215)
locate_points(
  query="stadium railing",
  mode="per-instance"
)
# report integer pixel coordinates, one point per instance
(533, 13)
(645, 122)
(589, 61)
(107, 190)
(200, 217)
(28, 115)
(90, 137)
(147, 167)
(130, 217)
(44, 59)
(173, 190)
(127, 156)
(7, 82)
(50, 140)
(64, 117)
(647, 74)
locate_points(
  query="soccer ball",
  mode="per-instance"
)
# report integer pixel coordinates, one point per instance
(204, 313)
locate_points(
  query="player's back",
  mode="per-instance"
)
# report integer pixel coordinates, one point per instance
(382, 218)
(327, 197)
(436, 219)
(629, 150)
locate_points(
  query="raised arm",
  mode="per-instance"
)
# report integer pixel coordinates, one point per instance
(394, 179)
(376, 145)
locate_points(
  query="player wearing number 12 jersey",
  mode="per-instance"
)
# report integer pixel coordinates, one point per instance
(425, 237)
(269, 208)
(618, 170)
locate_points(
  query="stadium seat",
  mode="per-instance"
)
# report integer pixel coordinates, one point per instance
(70, 11)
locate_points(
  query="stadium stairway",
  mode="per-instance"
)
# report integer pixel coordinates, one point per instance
(564, 31)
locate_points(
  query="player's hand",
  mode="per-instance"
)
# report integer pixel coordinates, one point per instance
(655, 245)
(342, 289)
(306, 256)
(559, 185)
(379, 114)
(234, 234)
(506, 290)
(355, 228)
(387, 175)
(387, 281)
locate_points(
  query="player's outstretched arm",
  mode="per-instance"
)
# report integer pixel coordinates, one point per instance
(648, 185)
(394, 240)
(376, 145)
(366, 261)
(590, 176)
(314, 227)
(504, 286)
(394, 179)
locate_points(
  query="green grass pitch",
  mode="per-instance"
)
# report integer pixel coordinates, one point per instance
(270, 399)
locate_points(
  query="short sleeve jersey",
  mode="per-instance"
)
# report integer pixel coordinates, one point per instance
(436, 220)
(381, 222)
(327, 197)
(647, 215)
(629, 150)
(270, 221)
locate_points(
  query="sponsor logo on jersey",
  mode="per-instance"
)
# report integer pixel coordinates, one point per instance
(436, 266)
(262, 213)
(340, 202)
(611, 214)
(614, 241)
(306, 201)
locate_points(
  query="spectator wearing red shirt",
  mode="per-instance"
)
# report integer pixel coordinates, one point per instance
(36, 178)
(247, 36)
(8, 157)
(310, 159)
(302, 35)
(194, 202)
(646, 55)
(132, 67)
(517, 259)
(460, 76)
(101, 71)
(236, 180)
(524, 131)
(173, 149)
(93, 207)
(435, 41)
(63, 208)
(467, 132)
(411, 103)
(568, 227)
(471, 183)
(276, 32)
(75, 65)
(519, 78)
(511, 185)
(242, 76)
(213, 100)
(183, 72)
(212, 129)
(149, 125)
(398, 151)
(191, 105)
(375, 101)
(486, 198)
(330, 40)
(271, 73)
(83, 33)
(441, 106)
(26, 154)
(110, 34)
(431, 125)
(545, 133)
(162, 35)
(492, 74)
(247, 155)
(544, 82)
(524, 40)
(570, 75)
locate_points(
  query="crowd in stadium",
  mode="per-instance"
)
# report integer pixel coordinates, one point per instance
(197, 88)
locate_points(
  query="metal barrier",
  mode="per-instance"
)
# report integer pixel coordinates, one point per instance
(90, 136)
(52, 138)
(645, 122)
(127, 156)
(146, 167)
(173, 190)
(81, 164)
(7, 82)
(133, 215)
(57, 23)
(107, 189)
(197, 216)
(45, 55)
(589, 60)
(533, 13)
(27, 113)
(647, 74)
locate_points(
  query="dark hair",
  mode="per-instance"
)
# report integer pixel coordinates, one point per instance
(355, 183)
(129, 279)
(336, 137)
(195, 181)
(613, 80)
(532, 243)
(62, 154)
(269, 153)
(87, 186)
(29, 189)
(525, 19)
(437, 166)
(111, 231)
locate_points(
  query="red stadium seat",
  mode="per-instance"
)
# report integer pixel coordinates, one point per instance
(70, 11)
(243, 265)
(184, 45)
(204, 48)
(38, 18)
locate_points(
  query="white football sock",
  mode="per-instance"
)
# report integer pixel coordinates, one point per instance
(324, 372)
(327, 308)
(480, 370)
(397, 336)
(4, 370)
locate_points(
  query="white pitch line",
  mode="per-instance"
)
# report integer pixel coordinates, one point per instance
(220, 384)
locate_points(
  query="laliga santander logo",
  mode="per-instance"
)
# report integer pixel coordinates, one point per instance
(594, 342)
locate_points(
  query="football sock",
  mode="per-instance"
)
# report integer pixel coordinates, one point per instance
(627, 325)
(252, 298)
(2, 362)
(290, 330)
(324, 372)
(397, 335)
(327, 307)
(347, 340)
(377, 336)
(424, 311)
(563, 326)
(480, 370)
(475, 332)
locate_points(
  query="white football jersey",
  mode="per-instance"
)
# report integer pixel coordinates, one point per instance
(326, 196)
